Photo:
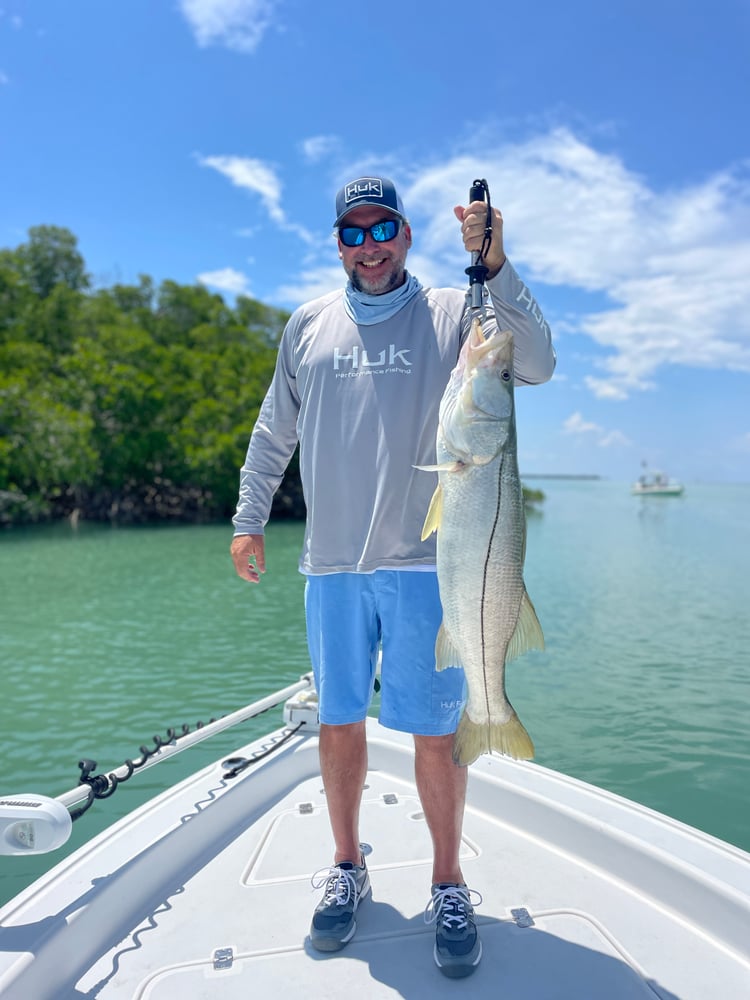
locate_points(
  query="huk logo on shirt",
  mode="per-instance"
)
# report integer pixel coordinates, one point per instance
(357, 361)
(527, 300)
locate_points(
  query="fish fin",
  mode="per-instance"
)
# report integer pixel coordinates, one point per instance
(484, 459)
(455, 466)
(475, 738)
(446, 654)
(434, 513)
(528, 633)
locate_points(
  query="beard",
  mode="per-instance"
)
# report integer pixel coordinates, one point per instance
(381, 284)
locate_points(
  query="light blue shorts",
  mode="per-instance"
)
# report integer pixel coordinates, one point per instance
(349, 616)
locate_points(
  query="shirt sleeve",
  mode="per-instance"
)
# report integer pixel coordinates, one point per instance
(272, 442)
(516, 309)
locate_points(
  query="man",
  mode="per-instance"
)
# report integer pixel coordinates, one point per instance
(359, 378)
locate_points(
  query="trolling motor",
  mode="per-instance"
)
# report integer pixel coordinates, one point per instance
(32, 824)
(478, 270)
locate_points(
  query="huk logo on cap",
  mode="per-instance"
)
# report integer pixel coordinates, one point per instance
(368, 191)
(365, 187)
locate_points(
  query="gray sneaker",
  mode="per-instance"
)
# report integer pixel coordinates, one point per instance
(457, 945)
(333, 922)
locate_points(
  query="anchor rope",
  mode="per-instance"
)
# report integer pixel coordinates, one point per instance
(102, 786)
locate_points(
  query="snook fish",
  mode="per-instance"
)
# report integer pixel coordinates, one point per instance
(478, 513)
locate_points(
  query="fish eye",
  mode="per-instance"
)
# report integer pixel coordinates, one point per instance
(505, 375)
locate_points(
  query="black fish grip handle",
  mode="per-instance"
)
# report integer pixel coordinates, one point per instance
(478, 270)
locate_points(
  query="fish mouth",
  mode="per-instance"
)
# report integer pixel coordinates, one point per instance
(493, 351)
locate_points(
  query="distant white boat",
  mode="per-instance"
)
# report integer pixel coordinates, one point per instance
(204, 892)
(656, 484)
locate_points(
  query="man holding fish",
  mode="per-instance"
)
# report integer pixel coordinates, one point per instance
(359, 381)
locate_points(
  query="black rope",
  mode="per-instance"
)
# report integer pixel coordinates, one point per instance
(487, 238)
(102, 786)
(236, 765)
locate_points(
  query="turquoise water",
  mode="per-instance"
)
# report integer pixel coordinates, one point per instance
(112, 635)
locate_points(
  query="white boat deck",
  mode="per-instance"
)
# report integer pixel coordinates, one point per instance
(205, 892)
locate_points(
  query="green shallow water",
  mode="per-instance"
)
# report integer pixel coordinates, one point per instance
(109, 636)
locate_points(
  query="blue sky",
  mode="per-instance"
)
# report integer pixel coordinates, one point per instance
(204, 140)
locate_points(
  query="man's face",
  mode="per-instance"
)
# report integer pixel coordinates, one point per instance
(375, 268)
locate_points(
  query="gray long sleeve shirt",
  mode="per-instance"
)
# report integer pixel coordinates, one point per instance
(363, 403)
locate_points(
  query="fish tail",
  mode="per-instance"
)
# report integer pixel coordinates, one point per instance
(475, 738)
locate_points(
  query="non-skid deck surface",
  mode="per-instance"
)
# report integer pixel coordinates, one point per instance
(233, 920)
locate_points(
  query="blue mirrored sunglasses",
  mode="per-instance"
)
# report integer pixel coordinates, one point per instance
(381, 232)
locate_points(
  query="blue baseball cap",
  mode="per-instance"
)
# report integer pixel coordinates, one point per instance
(378, 191)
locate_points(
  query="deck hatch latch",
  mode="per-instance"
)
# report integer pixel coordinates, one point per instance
(390, 799)
(306, 808)
(223, 958)
(522, 917)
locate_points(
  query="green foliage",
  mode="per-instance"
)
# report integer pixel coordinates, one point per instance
(531, 498)
(130, 402)
(51, 259)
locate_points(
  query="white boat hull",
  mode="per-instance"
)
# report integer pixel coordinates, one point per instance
(205, 892)
(658, 491)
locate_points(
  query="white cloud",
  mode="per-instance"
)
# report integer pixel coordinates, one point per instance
(253, 175)
(603, 389)
(227, 280)
(614, 439)
(15, 20)
(237, 24)
(260, 178)
(670, 265)
(667, 268)
(575, 424)
(319, 280)
(319, 147)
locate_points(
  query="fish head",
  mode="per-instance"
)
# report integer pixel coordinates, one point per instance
(476, 412)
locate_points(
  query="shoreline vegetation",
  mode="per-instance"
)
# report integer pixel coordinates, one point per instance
(129, 404)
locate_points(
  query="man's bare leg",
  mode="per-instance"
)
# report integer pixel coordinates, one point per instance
(343, 766)
(442, 791)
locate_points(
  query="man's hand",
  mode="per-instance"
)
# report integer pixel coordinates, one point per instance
(473, 220)
(249, 556)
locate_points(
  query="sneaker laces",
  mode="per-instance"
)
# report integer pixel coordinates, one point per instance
(448, 904)
(340, 885)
